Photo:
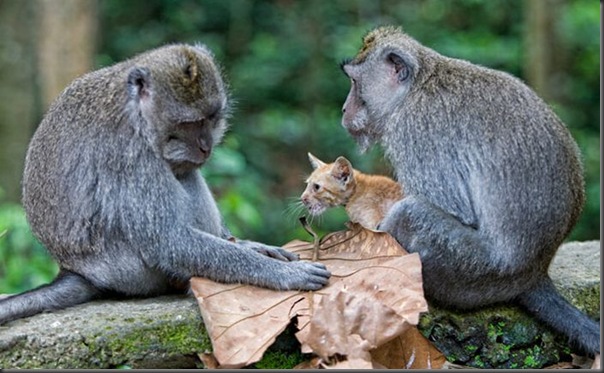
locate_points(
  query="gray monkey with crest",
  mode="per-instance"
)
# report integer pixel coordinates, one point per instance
(112, 188)
(493, 179)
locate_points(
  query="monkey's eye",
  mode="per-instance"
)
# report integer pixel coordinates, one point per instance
(316, 187)
(214, 112)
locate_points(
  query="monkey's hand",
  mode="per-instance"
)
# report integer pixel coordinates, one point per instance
(270, 251)
(301, 275)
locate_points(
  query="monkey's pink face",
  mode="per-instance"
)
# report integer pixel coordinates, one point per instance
(190, 143)
(355, 116)
(379, 84)
(354, 112)
(187, 144)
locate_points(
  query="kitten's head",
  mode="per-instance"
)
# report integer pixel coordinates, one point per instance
(329, 185)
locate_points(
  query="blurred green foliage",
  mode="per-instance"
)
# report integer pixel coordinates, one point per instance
(281, 60)
(24, 263)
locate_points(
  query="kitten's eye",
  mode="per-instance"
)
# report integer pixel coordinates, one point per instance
(316, 187)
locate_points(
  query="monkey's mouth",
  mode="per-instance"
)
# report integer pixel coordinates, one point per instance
(357, 130)
(202, 155)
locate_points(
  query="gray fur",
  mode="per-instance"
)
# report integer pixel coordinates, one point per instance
(111, 187)
(493, 178)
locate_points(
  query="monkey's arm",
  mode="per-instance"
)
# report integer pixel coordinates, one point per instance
(439, 237)
(190, 252)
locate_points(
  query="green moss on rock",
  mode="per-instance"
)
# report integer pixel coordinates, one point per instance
(279, 360)
(497, 337)
(167, 332)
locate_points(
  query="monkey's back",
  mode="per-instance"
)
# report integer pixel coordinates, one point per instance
(84, 166)
(65, 152)
(514, 166)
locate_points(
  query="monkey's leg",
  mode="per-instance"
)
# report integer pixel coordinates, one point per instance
(459, 265)
(461, 268)
(67, 289)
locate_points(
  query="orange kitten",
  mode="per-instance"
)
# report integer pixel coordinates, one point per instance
(367, 198)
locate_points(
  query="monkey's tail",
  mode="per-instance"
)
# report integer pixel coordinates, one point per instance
(549, 306)
(67, 289)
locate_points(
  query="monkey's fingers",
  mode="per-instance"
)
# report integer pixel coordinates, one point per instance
(277, 253)
(301, 275)
(290, 257)
(319, 273)
(321, 270)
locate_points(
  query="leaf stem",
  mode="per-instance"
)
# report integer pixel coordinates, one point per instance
(316, 241)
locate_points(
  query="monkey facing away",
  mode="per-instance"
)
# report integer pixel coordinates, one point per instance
(492, 178)
(112, 188)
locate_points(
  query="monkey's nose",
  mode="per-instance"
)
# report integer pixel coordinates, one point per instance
(204, 146)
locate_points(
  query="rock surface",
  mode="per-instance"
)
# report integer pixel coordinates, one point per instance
(575, 271)
(163, 332)
(168, 332)
(507, 336)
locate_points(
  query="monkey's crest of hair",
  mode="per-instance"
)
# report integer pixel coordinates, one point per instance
(373, 37)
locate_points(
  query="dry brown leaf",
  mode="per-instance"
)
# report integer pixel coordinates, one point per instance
(314, 363)
(410, 350)
(243, 321)
(368, 302)
(366, 262)
(374, 294)
(208, 360)
(347, 324)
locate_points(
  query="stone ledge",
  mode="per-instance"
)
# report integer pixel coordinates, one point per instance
(168, 332)
(575, 271)
(164, 332)
(508, 337)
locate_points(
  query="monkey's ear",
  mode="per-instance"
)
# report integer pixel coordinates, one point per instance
(342, 169)
(400, 67)
(139, 82)
(315, 162)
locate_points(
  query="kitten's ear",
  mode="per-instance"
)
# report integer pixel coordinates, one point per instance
(315, 162)
(342, 170)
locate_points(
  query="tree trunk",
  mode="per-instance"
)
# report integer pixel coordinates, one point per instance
(540, 45)
(18, 94)
(66, 43)
(45, 44)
